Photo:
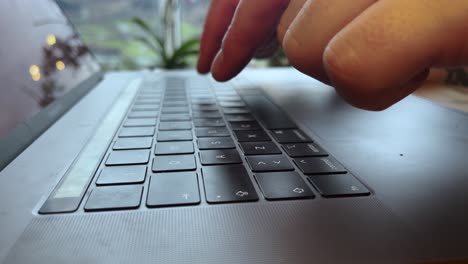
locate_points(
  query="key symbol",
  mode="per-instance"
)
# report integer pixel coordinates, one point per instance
(260, 148)
(354, 188)
(298, 190)
(241, 193)
(174, 162)
(303, 161)
(279, 132)
(290, 146)
(245, 126)
(215, 142)
(185, 196)
(221, 156)
(251, 136)
(277, 161)
(261, 163)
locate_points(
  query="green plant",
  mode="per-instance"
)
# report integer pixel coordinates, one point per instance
(278, 59)
(155, 43)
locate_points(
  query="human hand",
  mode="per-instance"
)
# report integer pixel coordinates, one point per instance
(373, 52)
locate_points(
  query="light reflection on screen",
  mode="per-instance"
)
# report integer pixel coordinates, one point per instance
(42, 59)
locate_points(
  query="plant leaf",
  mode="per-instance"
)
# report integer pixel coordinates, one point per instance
(187, 47)
(148, 44)
(180, 60)
(157, 39)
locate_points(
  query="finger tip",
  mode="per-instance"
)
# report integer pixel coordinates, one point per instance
(218, 70)
(202, 71)
(202, 67)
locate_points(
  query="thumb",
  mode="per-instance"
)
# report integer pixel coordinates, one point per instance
(383, 55)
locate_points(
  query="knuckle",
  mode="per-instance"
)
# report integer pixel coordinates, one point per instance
(304, 58)
(348, 71)
(299, 56)
(356, 85)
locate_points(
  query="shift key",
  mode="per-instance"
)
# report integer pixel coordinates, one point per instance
(228, 184)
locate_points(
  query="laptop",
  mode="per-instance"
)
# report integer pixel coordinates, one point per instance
(172, 167)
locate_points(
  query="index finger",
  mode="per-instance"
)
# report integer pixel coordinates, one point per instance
(217, 23)
(254, 23)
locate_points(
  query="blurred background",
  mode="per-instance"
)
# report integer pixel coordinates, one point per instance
(136, 34)
(108, 28)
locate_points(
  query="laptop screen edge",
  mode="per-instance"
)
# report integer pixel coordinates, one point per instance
(28, 131)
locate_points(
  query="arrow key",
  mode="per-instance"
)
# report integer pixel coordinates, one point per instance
(218, 157)
(283, 185)
(264, 163)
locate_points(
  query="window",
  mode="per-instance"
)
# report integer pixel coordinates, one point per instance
(106, 28)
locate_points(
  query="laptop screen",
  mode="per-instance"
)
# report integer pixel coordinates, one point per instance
(42, 59)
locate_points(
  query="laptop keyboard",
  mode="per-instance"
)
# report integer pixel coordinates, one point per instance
(206, 143)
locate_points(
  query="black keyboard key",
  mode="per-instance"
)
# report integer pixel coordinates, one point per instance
(139, 122)
(218, 157)
(216, 143)
(239, 118)
(136, 132)
(143, 114)
(122, 175)
(212, 132)
(175, 109)
(338, 185)
(175, 97)
(114, 198)
(207, 115)
(171, 148)
(268, 113)
(269, 163)
(283, 185)
(224, 184)
(246, 125)
(176, 135)
(145, 108)
(205, 108)
(133, 143)
(128, 157)
(290, 136)
(175, 117)
(153, 96)
(202, 95)
(175, 103)
(229, 98)
(209, 122)
(203, 101)
(325, 165)
(153, 99)
(231, 104)
(174, 163)
(235, 110)
(259, 148)
(175, 125)
(172, 189)
(151, 92)
(251, 136)
(304, 150)
(147, 102)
